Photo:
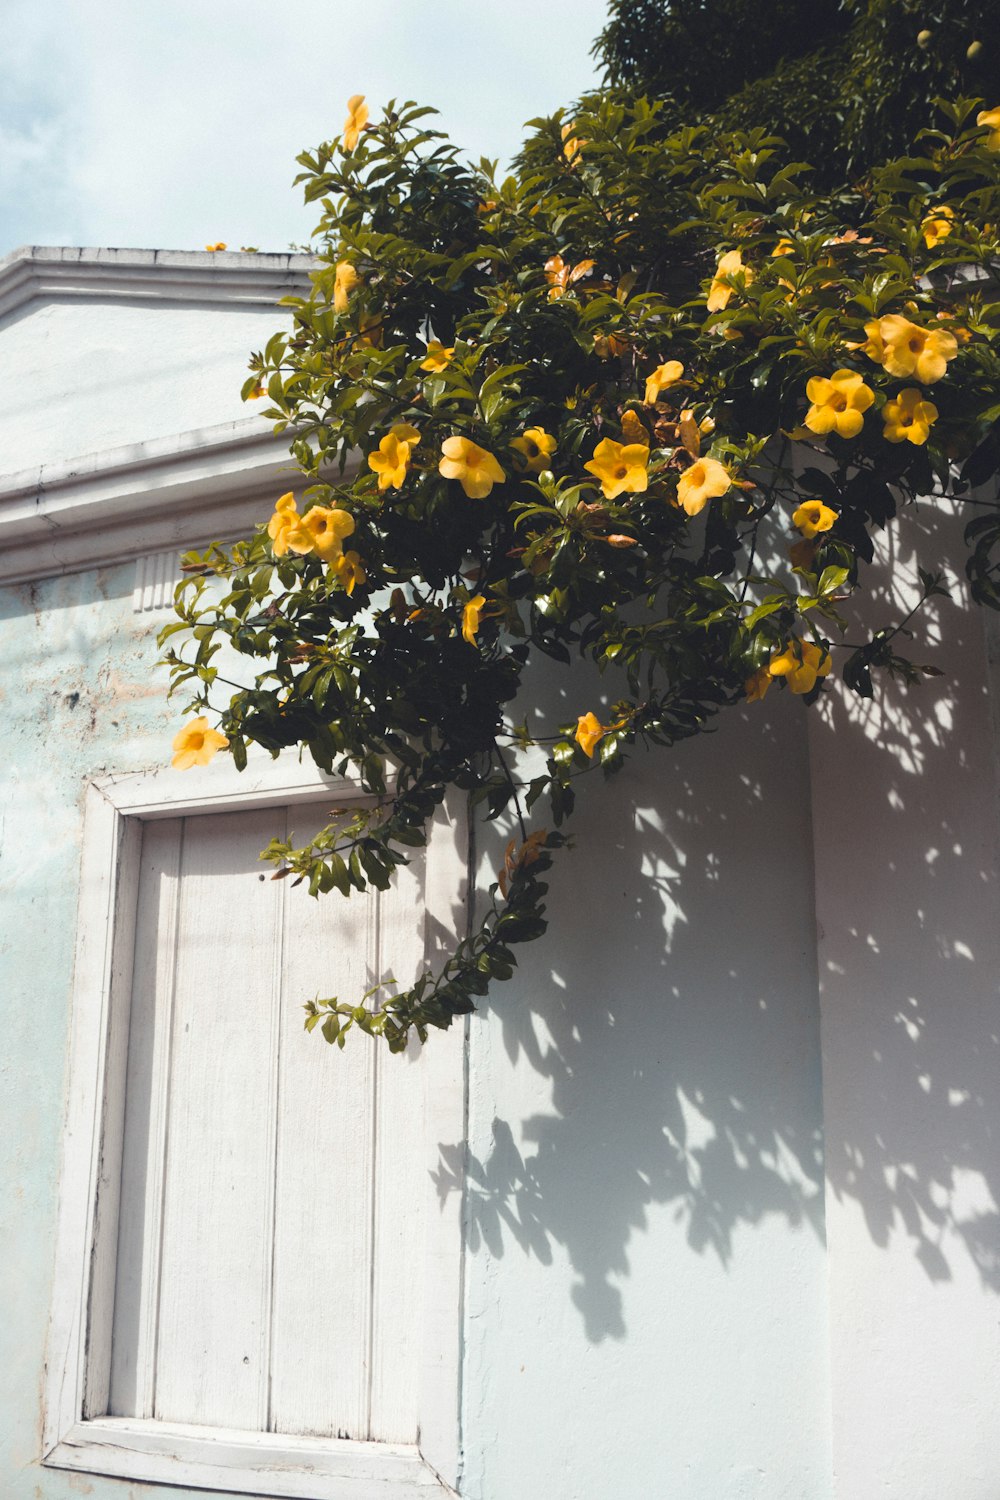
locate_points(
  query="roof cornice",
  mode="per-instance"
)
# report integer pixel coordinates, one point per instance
(211, 484)
(45, 273)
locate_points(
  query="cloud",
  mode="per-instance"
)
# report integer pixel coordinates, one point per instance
(173, 124)
(36, 199)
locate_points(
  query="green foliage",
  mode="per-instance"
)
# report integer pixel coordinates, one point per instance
(698, 55)
(845, 84)
(548, 483)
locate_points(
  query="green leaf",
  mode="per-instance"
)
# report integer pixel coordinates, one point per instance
(831, 579)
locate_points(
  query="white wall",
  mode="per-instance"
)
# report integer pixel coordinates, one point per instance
(91, 375)
(646, 1310)
(905, 811)
(707, 1235)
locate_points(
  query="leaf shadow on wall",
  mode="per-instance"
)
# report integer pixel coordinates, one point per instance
(913, 1126)
(678, 1032)
(676, 1039)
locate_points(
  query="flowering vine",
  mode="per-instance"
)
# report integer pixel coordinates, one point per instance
(643, 402)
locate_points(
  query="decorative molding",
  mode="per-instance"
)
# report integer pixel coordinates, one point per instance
(169, 493)
(156, 576)
(42, 273)
(214, 483)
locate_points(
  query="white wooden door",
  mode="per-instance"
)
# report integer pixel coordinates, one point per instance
(270, 1264)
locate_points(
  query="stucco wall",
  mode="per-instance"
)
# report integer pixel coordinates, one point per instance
(122, 374)
(908, 903)
(646, 1310)
(108, 348)
(731, 1234)
(645, 1298)
(77, 696)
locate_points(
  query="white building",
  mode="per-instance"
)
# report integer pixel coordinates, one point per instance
(702, 1205)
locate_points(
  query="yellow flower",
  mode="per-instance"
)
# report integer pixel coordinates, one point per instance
(703, 481)
(800, 664)
(476, 470)
(537, 447)
(326, 529)
(904, 348)
(258, 391)
(285, 528)
(345, 280)
(621, 467)
(470, 618)
(756, 686)
(838, 404)
(571, 143)
(357, 119)
(873, 345)
(938, 225)
(812, 517)
(991, 117)
(219, 245)
(195, 744)
(370, 330)
(391, 460)
(350, 570)
(784, 247)
(909, 417)
(720, 291)
(589, 733)
(662, 378)
(438, 357)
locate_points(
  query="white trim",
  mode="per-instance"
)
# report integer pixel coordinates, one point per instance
(181, 491)
(82, 1310)
(104, 830)
(247, 1462)
(44, 273)
(166, 793)
(447, 901)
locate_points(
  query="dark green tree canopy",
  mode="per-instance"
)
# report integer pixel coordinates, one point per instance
(847, 85)
(702, 52)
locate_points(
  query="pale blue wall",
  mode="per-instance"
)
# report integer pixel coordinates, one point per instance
(78, 696)
(645, 1301)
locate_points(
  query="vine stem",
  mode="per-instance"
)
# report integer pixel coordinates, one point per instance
(769, 497)
(513, 788)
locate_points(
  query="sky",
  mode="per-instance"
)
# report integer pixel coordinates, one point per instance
(175, 123)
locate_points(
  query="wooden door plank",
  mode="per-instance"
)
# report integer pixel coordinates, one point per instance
(320, 1359)
(401, 1181)
(140, 1220)
(215, 1285)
